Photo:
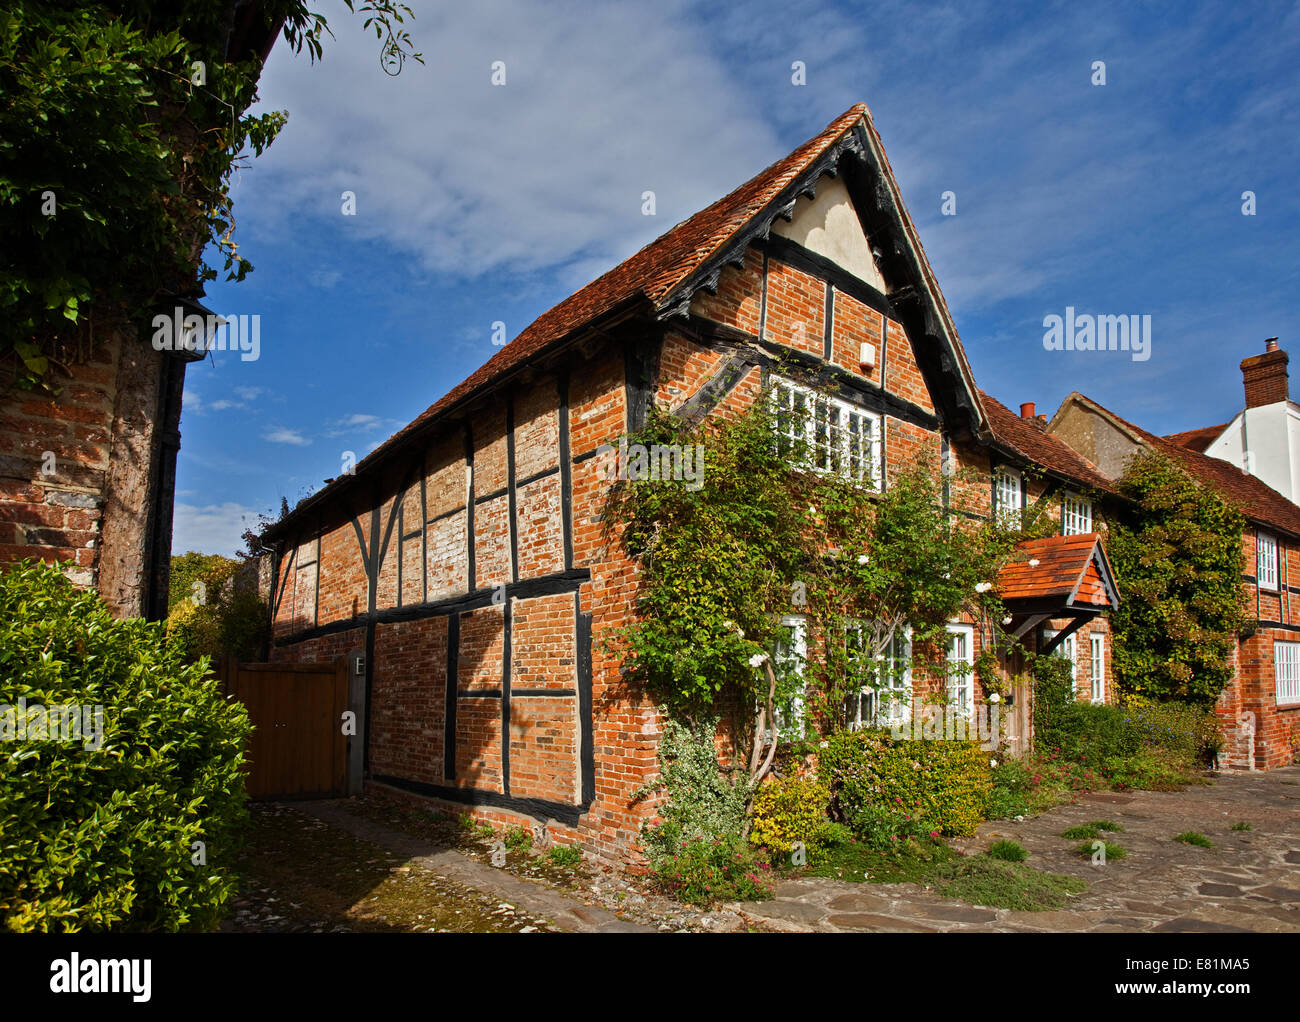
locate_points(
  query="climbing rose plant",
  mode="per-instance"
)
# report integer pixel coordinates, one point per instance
(722, 562)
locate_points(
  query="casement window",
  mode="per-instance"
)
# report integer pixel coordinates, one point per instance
(1006, 497)
(1076, 515)
(885, 698)
(831, 435)
(961, 668)
(788, 661)
(1266, 560)
(1097, 667)
(1286, 672)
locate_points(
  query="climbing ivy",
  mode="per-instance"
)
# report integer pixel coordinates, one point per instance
(1177, 555)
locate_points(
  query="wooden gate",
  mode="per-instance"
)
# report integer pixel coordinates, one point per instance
(298, 749)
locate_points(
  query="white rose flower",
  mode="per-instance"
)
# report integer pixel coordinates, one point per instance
(1007, 620)
(983, 587)
(757, 660)
(993, 762)
(863, 558)
(995, 698)
(1033, 562)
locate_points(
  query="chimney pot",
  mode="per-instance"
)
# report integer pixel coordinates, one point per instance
(1027, 410)
(1270, 344)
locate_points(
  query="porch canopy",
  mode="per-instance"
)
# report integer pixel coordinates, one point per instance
(1057, 577)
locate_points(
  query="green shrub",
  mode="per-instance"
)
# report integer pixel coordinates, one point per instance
(1180, 728)
(940, 785)
(787, 811)
(106, 839)
(833, 835)
(1012, 790)
(214, 608)
(1088, 735)
(882, 828)
(702, 801)
(703, 871)
(1241, 825)
(1150, 769)
(1008, 851)
(1194, 837)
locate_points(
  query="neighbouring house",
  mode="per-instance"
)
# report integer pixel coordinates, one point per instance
(463, 566)
(1263, 439)
(1260, 710)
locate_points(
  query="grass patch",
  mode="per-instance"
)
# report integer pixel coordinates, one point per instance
(1194, 837)
(856, 861)
(1091, 829)
(981, 880)
(1114, 852)
(1242, 825)
(1008, 851)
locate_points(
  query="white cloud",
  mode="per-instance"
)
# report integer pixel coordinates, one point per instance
(280, 435)
(250, 393)
(324, 278)
(360, 422)
(549, 168)
(211, 528)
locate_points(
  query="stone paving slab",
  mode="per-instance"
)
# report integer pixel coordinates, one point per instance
(555, 906)
(1249, 881)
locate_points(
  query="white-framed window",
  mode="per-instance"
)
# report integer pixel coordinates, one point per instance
(1266, 560)
(1069, 649)
(1286, 672)
(837, 436)
(1097, 667)
(885, 698)
(788, 660)
(961, 667)
(1076, 515)
(1006, 497)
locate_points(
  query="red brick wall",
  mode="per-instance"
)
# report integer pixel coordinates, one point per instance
(55, 516)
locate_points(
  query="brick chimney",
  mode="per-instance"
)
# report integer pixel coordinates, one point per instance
(1265, 376)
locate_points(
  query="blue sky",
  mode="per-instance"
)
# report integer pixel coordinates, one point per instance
(477, 203)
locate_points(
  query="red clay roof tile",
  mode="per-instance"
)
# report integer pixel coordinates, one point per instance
(1042, 448)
